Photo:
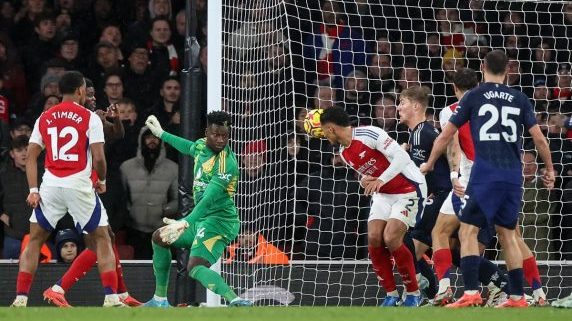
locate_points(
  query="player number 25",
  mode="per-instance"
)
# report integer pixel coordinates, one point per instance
(61, 153)
(485, 133)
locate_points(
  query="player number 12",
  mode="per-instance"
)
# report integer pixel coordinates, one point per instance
(62, 153)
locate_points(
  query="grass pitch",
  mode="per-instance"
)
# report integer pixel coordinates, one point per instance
(286, 314)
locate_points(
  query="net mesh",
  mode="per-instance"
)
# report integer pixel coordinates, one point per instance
(282, 58)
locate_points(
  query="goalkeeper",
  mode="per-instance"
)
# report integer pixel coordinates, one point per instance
(213, 223)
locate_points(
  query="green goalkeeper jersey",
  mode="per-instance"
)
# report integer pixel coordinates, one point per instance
(216, 178)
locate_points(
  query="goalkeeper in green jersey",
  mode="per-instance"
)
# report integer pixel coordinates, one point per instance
(213, 223)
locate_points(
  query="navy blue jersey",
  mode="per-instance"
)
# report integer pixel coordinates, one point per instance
(421, 140)
(497, 115)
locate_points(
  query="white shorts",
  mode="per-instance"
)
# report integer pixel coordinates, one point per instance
(85, 207)
(403, 207)
(452, 204)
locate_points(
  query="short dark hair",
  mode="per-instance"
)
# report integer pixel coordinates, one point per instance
(70, 82)
(335, 115)
(496, 61)
(160, 18)
(125, 101)
(43, 17)
(220, 118)
(418, 94)
(168, 78)
(113, 72)
(465, 79)
(20, 141)
(88, 83)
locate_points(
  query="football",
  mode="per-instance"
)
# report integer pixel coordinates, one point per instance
(312, 124)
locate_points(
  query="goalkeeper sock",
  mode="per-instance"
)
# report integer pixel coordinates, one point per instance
(531, 273)
(78, 269)
(381, 261)
(490, 272)
(470, 267)
(24, 283)
(121, 287)
(212, 281)
(161, 269)
(406, 267)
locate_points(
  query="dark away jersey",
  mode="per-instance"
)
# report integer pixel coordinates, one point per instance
(497, 115)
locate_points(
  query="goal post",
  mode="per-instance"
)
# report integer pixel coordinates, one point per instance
(270, 61)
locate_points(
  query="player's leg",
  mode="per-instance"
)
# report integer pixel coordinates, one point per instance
(530, 270)
(379, 254)
(86, 209)
(211, 239)
(404, 209)
(506, 224)
(42, 221)
(442, 258)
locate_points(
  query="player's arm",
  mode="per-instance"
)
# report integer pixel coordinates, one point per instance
(397, 156)
(34, 151)
(439, 147)
(184, 146)
(99, 163)
(97, 140)
(112, 130)
(544, 152)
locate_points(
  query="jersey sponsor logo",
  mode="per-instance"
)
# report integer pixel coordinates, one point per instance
(419, 153)
(368, 168)
(387, 142)
(224, 177)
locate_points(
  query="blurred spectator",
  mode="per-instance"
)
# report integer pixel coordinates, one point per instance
(333, 49)
(333, 213)
(40, 48)
(68, 245)
(21, 126)
(106, 59)
(113, 89)
(151, 183)
(385, 117)
(543, 59)
(324, 98)
(69, 51)
(379, 73)
(518, 80)
(140, 84)
(12, 74)
(356, 96)
(560, 147)
(251, 247)
(450, 28)
(443, 93)
(160, 8)
(162, 53)
(536, 209)
(166, 108)
(563, 90)
(541, 96)
(51, 101)
(5, 102)
(14, 211)
(7, 13)
(25, 20)
(112, 34)
(408, 77)
(49, 86)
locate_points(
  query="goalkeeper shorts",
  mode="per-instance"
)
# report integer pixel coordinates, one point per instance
(209, 238)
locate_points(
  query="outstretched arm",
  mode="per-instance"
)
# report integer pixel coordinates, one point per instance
(184, 146)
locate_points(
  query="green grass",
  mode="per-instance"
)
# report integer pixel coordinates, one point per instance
(286, 314)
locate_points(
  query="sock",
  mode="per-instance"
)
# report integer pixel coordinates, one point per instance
(490, 272)
(470, 269)
(161, 269)
(516, 280)
(427, 272)
(121, 287)
(442, 261)
(531, 274)
(109, 281)
(406, 267)
(381, 261)
(212, 281)
(24, 283)
(159, 298)
(78, 269)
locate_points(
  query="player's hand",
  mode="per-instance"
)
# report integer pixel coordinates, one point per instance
(33, 199)
(458, 188)
(366, 179)
(101, 114)
(373, 186)
(173, 230)
(100, 188)
(425, 168)
(548, 179)
(154, 126)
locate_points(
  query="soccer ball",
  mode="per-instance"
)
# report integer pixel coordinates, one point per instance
(312, 124)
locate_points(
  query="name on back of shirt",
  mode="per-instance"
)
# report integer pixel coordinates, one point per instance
(495, 94)
(65, 114)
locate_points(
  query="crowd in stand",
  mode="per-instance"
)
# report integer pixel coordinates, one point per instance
(353, 54)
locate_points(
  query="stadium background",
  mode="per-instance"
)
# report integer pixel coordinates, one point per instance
(292, 190)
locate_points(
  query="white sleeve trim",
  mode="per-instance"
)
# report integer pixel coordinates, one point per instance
(95, 131)
(36, 137)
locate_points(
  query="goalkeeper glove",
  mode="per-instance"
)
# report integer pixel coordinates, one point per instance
(173, 230)
(154, 126)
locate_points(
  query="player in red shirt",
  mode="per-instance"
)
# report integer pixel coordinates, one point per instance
(398, 190)
(73, 138)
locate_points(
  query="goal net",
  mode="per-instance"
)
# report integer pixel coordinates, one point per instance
(281, 58)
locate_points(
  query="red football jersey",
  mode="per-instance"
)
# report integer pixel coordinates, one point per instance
(66, 131)
(465, 138)
(372, 151)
